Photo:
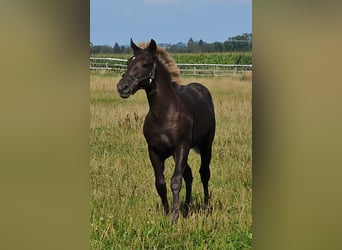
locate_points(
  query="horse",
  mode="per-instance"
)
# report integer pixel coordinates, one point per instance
(180, 118)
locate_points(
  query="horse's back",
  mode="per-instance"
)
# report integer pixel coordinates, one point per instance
(199, 97)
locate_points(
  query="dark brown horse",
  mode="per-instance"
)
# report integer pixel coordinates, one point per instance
(181, 117)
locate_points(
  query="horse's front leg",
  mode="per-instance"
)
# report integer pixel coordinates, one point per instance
(180, 157)
(158, 166)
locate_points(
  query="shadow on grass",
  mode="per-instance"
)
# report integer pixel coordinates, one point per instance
(196, 208)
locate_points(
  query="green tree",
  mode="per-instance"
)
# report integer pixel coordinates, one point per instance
(116, 48)
(190, 42)
(95, 49)
(106, 49)
(218, 47)
(238, 43)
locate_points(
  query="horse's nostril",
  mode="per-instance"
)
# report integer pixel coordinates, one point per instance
(123, 87)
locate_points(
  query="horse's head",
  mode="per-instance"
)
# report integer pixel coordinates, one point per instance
(140, 70)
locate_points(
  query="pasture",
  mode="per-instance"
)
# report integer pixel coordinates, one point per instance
(126, 212)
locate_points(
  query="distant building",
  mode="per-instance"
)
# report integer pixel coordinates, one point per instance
(165, 45)
(181, 45)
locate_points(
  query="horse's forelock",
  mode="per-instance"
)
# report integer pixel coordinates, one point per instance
(165, 58)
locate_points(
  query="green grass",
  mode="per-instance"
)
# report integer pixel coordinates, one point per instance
(126, 212)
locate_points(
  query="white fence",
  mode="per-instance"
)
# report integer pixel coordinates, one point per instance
(115, 64)
(120, 66)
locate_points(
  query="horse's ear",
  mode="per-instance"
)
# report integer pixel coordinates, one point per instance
(134, 47)
(152, 48)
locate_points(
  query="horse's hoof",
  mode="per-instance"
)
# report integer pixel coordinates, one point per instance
(175, 218)
(186, 210)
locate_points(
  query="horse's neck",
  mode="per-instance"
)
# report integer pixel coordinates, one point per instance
(162, 97)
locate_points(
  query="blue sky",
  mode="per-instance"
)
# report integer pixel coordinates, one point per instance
(168, 21)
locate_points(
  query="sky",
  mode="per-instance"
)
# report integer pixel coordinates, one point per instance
(168, 21)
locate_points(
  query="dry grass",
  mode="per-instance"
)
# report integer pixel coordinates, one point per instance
(125, 207)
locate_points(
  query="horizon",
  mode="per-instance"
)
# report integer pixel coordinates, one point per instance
(169, 43)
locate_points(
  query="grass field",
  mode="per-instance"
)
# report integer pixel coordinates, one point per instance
(126, 211)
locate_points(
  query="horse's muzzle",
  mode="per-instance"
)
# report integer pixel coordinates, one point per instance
(126, 88)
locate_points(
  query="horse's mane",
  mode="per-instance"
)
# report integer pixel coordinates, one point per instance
(165, 58)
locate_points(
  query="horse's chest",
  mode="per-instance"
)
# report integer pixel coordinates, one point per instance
(167, 134)
(163, 136)
(158, 137)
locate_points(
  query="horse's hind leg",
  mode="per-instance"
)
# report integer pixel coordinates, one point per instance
(187, 176)
(205, 151)
(205, 174)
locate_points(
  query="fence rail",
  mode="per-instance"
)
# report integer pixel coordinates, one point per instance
(119, 66)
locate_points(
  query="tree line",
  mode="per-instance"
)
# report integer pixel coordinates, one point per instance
(239, 43)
